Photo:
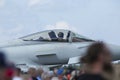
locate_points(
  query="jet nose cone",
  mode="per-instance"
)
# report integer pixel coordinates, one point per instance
(11, 43)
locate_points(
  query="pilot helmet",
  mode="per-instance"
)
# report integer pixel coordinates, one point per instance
(60, 34)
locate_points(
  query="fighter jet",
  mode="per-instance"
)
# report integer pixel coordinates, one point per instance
(50, 47)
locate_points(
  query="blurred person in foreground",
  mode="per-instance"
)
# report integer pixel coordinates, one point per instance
(73, 75)
(97, 63)
(55, 78)
(33, 74)
(40, 71)
(46, 76)
(17, 74)
(2, 65)
(55, 72)
(60, 74)
(6, 69)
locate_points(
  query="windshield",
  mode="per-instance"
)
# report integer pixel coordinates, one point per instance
(80, 38)
(51, 35)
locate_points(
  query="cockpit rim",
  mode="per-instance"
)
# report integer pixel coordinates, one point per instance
(54, 30)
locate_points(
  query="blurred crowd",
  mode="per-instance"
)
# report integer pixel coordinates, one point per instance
(95, 65)
(10, 72)
(66, 73)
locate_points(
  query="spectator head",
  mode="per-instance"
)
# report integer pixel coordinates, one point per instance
(3, 63)
(46, 76)
(60, 71)
(32, 72)
(55, 71)
(17, 72)
(97, 51)
(55, 78)
(73, 73)
(6, 68)
(40, 71)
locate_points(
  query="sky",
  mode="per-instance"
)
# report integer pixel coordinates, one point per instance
(96, 19)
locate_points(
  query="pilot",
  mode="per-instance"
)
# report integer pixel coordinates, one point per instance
(68, 36)
(52, 35)
(60, 36)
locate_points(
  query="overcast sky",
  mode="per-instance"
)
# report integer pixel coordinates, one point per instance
(96, 19)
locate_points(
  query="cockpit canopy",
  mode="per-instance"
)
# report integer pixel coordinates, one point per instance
(55, 36)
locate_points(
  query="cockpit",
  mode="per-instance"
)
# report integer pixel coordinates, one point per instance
(55, 36)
